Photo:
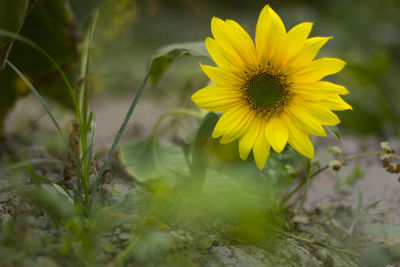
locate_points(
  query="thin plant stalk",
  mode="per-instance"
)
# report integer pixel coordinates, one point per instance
(93, 189)
(43, 103)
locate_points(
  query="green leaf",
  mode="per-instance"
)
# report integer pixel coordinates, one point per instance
(335, 132)
(12, 16)
(169, 54)
(201, 144)
(150, 162)
(37, 179)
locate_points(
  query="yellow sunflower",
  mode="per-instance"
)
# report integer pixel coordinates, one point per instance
(270, 90)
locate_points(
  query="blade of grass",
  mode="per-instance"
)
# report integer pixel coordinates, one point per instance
(47, 109)
(128, 115)
(85, 151)
(44, 105)
(83, 93)
(35, 178)
(84, 90)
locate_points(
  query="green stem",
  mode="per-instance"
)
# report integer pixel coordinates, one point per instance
(365, 154)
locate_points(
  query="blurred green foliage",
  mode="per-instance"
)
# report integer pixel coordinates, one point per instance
(12, 15)
(51, 25)
(57, 28)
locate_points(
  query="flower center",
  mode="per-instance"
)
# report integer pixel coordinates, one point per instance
(266, 92)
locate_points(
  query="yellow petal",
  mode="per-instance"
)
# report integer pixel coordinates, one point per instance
(222, 77)
(325, 117)
(247, 141)
(294, 42)
(230, 120)
(236, 131)
(335, 103)
(218, 55)
(242, 43)
(236, 43)
(298, 139)
(307, 54)
(216, 98)
(261, 149)
(304, 121)
(318, 89)
(311, 95)
(317, 69)
(318, 111)
(222, 59)
(277, 133)
(218, 30)
(270, 34)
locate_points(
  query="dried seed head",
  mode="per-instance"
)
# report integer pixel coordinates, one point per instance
(387, 159)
